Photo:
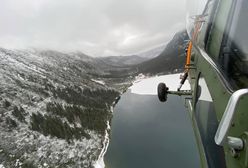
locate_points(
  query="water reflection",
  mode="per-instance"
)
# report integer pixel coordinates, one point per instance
(146, 133)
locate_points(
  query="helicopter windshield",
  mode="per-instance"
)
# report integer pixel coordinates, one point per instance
(195, 9)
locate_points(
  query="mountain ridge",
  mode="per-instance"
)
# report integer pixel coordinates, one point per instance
(55, 106)
(170, 59)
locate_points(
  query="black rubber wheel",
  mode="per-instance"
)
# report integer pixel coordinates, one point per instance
(162, 92)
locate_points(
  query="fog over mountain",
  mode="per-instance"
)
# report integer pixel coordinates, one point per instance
(95, 27)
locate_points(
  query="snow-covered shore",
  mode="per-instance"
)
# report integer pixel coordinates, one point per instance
(148, 86)
(100, 161)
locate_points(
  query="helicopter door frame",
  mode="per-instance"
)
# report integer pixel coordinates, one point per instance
(206, 120)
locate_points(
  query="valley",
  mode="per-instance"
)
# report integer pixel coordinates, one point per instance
(55, 106)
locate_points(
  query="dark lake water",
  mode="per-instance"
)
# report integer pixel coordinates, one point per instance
(146, 133)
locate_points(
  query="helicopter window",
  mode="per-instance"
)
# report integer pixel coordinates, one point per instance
(216, 32)
(207, 21)
(195, 9)
(209, 11)
(234, 51)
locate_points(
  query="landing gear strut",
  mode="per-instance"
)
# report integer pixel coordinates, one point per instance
(163, 91)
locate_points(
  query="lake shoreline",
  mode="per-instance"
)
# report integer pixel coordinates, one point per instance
(138, 79)
(99, 163)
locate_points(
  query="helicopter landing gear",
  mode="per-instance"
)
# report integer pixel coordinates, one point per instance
(163, 91)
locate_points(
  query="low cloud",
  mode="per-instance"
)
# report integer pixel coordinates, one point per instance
(96, 27)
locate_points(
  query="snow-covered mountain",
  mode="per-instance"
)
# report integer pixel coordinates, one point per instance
(151, 53)
(54, 107)
(171, 59)
(123, 61)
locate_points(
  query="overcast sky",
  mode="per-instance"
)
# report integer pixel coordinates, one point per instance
(95, 27)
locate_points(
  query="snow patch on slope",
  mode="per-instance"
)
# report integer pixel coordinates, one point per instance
(98, 81)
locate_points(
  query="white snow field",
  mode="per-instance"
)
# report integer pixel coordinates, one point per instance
(148, 86)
